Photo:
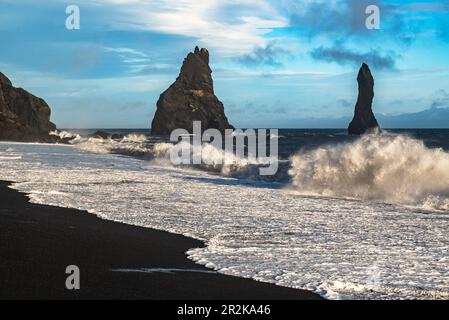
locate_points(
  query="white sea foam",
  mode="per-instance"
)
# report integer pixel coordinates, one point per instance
(129, 145)
(137, 138)
(213, 160)
(337, 247)
(73, 138)
(388, 168)
(216, 160)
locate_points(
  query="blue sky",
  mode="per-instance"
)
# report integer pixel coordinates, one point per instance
(276, 63)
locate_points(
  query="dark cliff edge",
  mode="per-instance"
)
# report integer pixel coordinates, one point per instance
(190, 98)
(364, 120)
(23, 116)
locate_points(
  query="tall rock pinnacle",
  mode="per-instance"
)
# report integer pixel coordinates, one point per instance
(364, 120)
(190, 98)
(23, 116)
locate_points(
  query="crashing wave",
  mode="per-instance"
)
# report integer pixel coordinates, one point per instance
(70, 137)
(132, 145)
(136, 138)
(394, 169)
(386, 168)
(221, 161)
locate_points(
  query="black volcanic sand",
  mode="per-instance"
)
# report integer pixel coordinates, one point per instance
(38, 242)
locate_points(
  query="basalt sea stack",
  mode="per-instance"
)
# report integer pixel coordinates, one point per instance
(23, 116)
(364, 120)
(190, 98)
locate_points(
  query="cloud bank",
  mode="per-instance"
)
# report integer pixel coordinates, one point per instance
(269, 55)
(344, 56)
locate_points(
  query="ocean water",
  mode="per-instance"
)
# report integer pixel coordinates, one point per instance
(346, 217)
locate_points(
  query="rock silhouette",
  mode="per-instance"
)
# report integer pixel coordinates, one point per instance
(364, 120)
(190, 98)
(23, 116)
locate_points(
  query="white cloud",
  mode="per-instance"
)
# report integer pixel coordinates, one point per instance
(229, 27)
(38, 82)
(126, 51)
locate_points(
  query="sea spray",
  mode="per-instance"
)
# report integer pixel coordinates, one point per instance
(235, 146)
(218, 161)
(132, 145)
(387, 168)
(72, 138)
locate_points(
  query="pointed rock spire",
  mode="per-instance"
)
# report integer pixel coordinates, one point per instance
(364, 120)
(190, 98)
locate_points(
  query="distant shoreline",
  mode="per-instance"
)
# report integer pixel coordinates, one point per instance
(38, 242)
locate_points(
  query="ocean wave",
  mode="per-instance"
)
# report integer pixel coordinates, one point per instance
(221, 161)
(136, 138)
(213, 159)
(131, 145)
(387, 168)
(70, 137)
(335, 247)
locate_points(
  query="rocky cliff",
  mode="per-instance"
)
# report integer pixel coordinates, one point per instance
(364, 120)
(23, 116)
(191, 97)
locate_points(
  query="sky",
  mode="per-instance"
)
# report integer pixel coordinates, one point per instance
(276, 63)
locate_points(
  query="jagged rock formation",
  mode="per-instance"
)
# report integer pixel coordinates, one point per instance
(23, 116)
(364, 120)
(191, 97)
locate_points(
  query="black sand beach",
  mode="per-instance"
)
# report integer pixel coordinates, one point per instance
(38, 242)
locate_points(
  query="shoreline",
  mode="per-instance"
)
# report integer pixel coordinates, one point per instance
(116, 260)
